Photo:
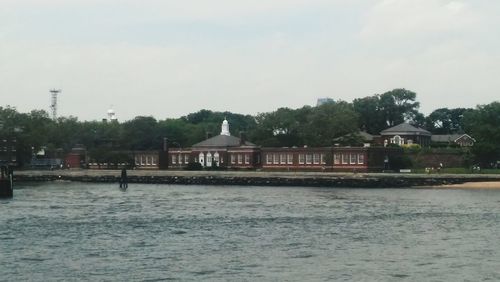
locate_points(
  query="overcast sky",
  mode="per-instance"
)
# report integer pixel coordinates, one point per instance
(170, 58)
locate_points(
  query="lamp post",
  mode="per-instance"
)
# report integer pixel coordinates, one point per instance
(32, 155)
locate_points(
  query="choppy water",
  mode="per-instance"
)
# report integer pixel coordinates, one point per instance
(75, 231)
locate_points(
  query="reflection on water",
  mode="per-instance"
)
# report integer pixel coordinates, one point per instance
(65, 231)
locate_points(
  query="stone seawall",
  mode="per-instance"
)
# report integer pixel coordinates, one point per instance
(250, 178)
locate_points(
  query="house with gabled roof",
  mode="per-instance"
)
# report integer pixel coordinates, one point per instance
(463, 140)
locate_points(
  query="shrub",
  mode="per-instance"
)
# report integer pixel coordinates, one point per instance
(400, 162)
(413, 148)
(194, 166)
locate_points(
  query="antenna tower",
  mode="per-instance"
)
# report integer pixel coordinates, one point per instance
(53, 103)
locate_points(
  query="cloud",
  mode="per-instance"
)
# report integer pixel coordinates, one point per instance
(169, 58)
(188, 10)
(411, 18)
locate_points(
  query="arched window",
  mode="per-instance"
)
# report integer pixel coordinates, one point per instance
(201, 158)
(216, 158)
(396, 140)
(209, 159)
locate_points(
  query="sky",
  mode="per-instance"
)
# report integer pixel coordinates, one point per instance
(170, 58)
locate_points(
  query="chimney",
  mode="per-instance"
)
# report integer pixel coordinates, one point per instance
(243, 138)
(165, 145)
(209, 134)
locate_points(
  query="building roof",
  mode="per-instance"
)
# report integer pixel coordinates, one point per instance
(405, 129)
(367, 136)
(224, 141)
(449, 137)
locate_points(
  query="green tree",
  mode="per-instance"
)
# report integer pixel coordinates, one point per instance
(370, 116)
(483, 125)
(141, 133)
(379, 112)
(278, 128)
(210, 122)
(398, 105)
(446, 121)
(330, 121)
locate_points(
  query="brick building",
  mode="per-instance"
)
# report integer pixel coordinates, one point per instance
(221, 151)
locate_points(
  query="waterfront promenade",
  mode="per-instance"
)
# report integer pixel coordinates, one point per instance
(265, 178)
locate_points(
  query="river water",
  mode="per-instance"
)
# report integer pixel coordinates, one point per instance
(96, 232)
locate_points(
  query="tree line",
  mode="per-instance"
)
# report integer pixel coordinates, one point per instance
(312, 126)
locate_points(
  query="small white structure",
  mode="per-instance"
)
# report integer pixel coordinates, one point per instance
(225, 128)
(111, 115)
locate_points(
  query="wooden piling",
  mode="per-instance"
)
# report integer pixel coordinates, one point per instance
(124, 179)
(6, 182)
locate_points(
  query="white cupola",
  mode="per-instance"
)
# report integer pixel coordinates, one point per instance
(225, 128)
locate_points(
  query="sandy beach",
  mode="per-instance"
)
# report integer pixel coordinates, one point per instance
(473, 185)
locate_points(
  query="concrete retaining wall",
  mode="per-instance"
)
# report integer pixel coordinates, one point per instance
(262, 179)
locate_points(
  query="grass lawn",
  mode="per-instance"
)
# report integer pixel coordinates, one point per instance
(459, 170)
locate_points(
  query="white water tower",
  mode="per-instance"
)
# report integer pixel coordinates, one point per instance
(112, 115)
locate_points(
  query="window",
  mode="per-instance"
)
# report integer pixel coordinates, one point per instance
(142, 160)
(186, 159)
(233, 159)
(345, 158)
(216, 158)
(353, 158)
(137, 161)
(240, 159)
(361, 159)
(275, 159)
(209, 159)
(323, 161)
(174, 159)
(201, 157)
(336, 158)
(308, 158)
(316, 158)
(247, 159)
(147, 160)
(282, 159)
(153, 160)
(301, 158)
(289, 159)
(269, 158)
(397, 140)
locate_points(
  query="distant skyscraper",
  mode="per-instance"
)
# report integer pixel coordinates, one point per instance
(322, 101)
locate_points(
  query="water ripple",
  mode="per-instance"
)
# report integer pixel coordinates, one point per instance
(73, 231)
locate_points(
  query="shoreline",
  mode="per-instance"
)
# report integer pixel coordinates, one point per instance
(491, 185)
(269, 178)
